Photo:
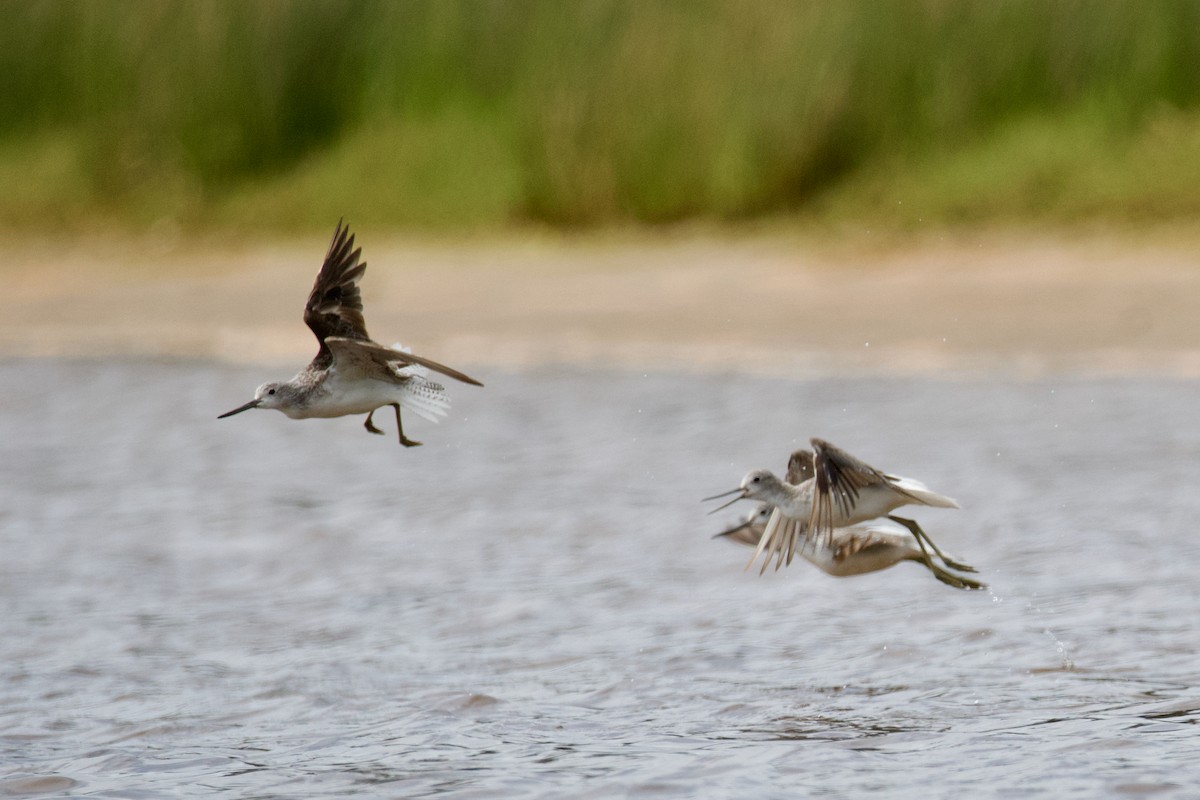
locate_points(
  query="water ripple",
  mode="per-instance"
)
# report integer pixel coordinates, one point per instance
(295, 610)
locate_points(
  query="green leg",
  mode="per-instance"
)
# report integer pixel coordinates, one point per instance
(957, 581)
(923, 539)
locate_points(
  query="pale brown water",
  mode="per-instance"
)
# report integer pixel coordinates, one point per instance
(530, 605)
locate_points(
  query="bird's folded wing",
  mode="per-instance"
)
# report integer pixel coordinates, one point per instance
(369, 357)
(859, 538)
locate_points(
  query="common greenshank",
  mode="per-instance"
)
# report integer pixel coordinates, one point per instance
(843, 491)
(853, 550)
(352, 374)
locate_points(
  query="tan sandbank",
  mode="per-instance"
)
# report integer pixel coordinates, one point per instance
(1006, 303)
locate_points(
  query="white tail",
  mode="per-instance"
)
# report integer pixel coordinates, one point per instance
(420, 395)
(922, 493)
(424, 398)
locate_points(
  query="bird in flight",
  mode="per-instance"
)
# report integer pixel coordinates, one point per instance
(854, 549)
(351, 373)
(827, 489)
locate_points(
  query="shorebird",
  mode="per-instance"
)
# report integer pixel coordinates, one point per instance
(802, 466)
(751, 528)
(352, 374)
(853, 550)
(843, 491)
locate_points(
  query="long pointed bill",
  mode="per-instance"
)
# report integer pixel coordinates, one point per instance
(740, 492)
(733, 530)
(240, 409)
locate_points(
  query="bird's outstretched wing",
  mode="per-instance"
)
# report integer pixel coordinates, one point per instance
(784, 536)
(365, 356)
(334, 306)
(839, 478)
(800, 467)
(782, 540)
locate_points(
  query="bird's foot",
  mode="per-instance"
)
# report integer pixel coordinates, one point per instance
(958, 565)
(958, 581)
(370, 426)
(404, 440)
(923, 540)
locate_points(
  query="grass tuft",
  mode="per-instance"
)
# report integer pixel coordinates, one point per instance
(453, 114)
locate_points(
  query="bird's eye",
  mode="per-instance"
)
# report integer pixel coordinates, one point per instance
(270, 391)
(756, 480)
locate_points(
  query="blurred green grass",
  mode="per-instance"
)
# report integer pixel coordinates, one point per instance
(453, 114)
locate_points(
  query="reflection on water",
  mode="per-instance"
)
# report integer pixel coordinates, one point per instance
(530, 605)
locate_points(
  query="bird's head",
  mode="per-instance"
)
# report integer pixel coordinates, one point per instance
(269, 395)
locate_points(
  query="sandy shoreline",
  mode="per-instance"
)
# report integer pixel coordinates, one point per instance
(767, 304)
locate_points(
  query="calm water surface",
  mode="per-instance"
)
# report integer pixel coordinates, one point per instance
(530, 605)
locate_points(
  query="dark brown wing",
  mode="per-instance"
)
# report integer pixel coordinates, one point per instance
(839, 477)
(385, 356)
(800, 467)
(334, 306)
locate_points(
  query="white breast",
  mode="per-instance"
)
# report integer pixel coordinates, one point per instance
(337, 398)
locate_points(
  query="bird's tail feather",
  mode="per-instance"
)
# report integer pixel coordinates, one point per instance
(923, 494)
(425, 398)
